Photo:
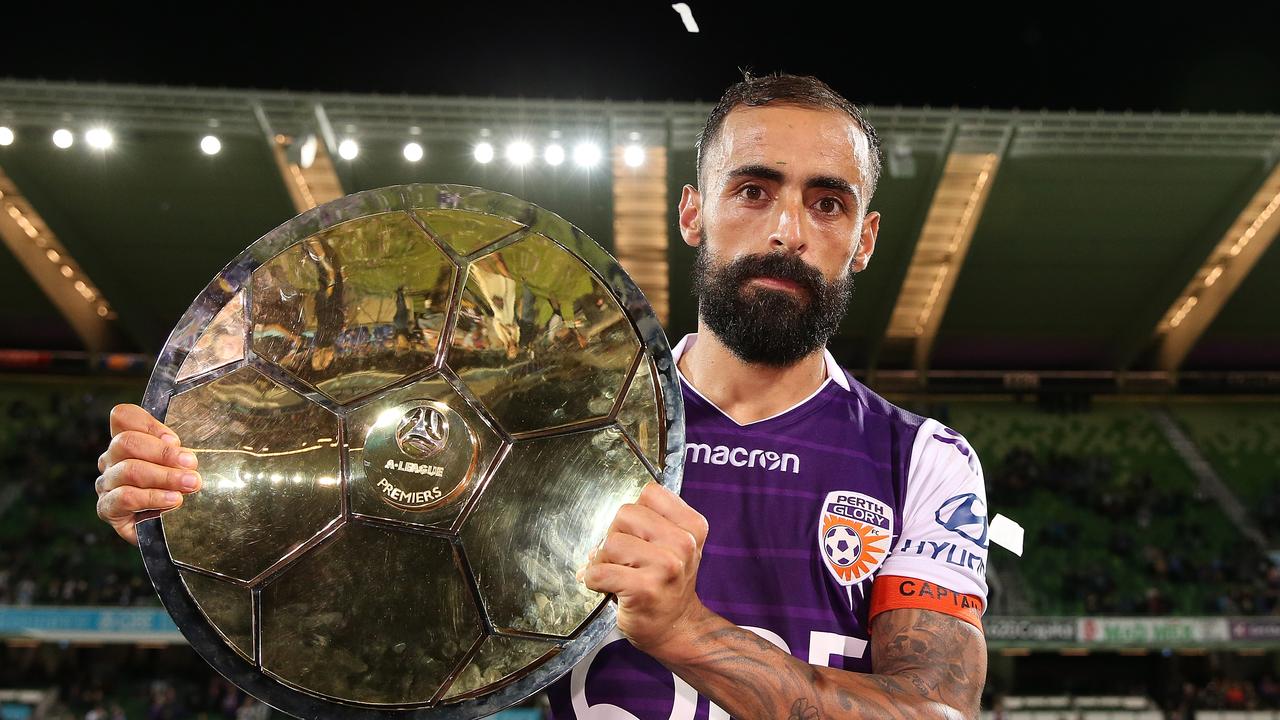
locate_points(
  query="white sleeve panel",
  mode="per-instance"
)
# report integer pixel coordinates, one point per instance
(944, 515)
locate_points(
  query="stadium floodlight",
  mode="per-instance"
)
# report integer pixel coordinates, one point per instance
(554, 154)
(413, 152)
(519, 153)
(6, 135)
(348, 149)
(586, 155)
(63, 138)
(483, 152)
(210, 145)
(99, 138)
(633, 156)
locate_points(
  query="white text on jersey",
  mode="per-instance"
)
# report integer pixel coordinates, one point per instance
(742, 457)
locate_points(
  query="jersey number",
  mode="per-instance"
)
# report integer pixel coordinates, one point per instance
(822, 645)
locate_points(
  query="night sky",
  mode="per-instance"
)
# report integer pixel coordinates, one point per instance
(1206, 58)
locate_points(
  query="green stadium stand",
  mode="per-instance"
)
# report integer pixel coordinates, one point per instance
(1115, 521)
(51, 432)
(1241, 440)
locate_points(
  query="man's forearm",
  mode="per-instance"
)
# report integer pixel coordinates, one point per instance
(751, 678)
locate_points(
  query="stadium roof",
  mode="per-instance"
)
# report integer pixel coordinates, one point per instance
(1036, 57)
(1010, 241)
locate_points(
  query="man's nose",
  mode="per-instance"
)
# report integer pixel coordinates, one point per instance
(788, 233)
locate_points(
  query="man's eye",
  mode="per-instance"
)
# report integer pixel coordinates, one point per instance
(752, 192)
(830, 205)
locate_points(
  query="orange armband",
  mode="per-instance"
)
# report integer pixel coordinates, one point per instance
(892, 592)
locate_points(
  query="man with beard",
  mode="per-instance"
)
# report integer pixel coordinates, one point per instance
(828, 556)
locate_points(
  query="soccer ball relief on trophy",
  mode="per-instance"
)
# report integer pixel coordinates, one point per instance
(415, 410)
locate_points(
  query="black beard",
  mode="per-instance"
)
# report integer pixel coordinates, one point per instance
(763, 326)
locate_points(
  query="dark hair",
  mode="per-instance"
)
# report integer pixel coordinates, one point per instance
(784, 89)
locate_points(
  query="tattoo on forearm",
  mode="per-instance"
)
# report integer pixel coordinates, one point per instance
(801, 709)
(931, 652)
(844, 698)
(927, 665)
(887, 686)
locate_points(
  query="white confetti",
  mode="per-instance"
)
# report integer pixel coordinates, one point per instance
(1007, 534)
(687, 16)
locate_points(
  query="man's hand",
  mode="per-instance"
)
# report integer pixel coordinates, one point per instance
(144, 468)
(649, 559)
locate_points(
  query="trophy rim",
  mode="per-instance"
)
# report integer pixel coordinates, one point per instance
(163, 572)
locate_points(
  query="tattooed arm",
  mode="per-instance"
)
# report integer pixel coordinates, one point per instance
(927, 665)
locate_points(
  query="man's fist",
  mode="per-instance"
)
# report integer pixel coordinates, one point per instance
(649, 559)
(144, 468)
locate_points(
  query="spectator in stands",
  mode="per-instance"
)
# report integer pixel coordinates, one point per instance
(251, 709)
(1268, 692)
(164, 703)
(1183, 707)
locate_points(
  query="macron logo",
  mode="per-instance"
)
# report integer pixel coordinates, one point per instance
(741, 457)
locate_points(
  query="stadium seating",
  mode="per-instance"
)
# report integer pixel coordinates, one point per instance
(53, 548)
(1116, 523)
(1241, 440)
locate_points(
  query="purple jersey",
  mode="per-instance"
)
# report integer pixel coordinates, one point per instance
(805, 510)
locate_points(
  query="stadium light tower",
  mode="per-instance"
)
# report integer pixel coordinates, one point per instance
(554, 154)
(99, 138)
(633, 155)
(586, 155)
(519, 153)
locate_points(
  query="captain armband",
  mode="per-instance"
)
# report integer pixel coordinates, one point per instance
(892, 592)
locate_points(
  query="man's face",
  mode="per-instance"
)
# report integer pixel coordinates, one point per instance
(779, 228)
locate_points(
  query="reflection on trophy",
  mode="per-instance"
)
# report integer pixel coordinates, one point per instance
(416, 412)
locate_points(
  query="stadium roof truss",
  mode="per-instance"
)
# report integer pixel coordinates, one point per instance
(968, 173)
(1009, 241)
(1228, 264)
(51, 266)
(305, 161)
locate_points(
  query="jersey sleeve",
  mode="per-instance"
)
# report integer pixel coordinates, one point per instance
(940, 560)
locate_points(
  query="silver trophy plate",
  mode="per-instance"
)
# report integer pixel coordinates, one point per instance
(416, 410)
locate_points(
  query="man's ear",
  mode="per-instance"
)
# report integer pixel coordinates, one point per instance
(866, 242)
(691, 216)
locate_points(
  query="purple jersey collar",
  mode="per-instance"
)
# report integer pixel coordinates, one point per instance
(834, 373)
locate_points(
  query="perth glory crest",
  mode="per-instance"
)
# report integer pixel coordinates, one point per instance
(853, 535)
